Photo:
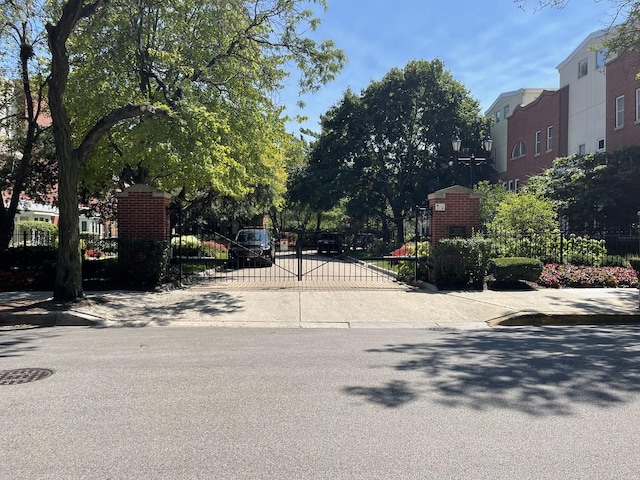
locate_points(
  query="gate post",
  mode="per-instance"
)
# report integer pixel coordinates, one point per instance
(143, 234)
(299, 243)
(455, 212)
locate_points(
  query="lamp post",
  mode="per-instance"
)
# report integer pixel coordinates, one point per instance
(472, 161)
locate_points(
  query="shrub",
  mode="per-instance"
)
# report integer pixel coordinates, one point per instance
(407, 269)
(635, 264)
(28, 268)
(461, 262)
(142, 262)
(35, 233)
(214, 249)
(548, 247)
(585, 251)
(187, 245)
(511, 269)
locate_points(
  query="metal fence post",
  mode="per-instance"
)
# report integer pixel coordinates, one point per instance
(299, 243)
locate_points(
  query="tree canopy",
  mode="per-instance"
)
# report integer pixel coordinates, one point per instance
(597, 191)
(390, 146)
(176, 94)
(524, 212)
(26, 155)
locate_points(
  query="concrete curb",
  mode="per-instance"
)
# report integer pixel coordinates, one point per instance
(541, 319)
(57, 318)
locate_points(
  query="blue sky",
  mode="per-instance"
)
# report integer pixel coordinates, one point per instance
(491, 46)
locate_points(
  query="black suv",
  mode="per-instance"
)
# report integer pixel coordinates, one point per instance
(330, 242)
(253, 245)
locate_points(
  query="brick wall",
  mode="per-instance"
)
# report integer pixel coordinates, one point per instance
(142, 213)
(551, 108)
(621, 80)
(455, 212)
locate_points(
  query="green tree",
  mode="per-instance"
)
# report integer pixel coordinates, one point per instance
(181, 91)
(525, 212)
(597, 190)
(25, 160)
(392, 143)
(491, 196)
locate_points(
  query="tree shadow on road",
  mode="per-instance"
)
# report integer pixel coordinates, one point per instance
(18, 341)
(538, 371)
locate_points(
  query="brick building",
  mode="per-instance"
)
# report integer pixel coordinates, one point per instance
(537, 134)
(623, 101)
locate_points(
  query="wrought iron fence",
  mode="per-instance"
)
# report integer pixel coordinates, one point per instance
(599, 248)
(34, 238)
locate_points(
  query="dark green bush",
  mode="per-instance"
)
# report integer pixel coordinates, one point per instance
(511, 269)
(635, 264)
(29, 257)
(143, 262)
(461, 263)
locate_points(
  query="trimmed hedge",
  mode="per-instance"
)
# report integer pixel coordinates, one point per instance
(511, 269)
(461, 263)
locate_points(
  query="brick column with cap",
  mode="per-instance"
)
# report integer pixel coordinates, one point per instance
(455, 213)
(142, 213)
(143, 235)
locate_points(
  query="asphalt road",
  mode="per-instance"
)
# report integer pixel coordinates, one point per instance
(176, 402)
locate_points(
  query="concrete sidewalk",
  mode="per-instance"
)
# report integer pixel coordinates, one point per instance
(324, 306)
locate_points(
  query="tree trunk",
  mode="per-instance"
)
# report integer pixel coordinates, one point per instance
(68, 283)
(6, 227)
(399, 221)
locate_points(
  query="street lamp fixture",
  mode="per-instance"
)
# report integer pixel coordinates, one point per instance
(472, 161)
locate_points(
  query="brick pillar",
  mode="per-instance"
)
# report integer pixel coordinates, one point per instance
(142, 213)
(455, 213)
(143, 235)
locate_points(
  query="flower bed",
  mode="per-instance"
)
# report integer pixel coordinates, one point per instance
(564, 275)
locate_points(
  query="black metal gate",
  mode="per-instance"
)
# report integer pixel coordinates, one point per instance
(207, 258)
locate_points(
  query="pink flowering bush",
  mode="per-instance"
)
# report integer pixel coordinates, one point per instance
(564, 275)
(215, 246)
(404, 251)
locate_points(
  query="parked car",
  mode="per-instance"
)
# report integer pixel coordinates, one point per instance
(330, 242)
(253, 245)
(363, 241)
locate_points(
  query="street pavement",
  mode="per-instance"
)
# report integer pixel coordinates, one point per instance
(328, 304)
(525, 403)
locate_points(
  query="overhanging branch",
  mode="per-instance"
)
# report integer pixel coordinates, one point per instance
(106, 123)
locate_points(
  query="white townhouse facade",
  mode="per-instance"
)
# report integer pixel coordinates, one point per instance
(583, 75)
(584, 72)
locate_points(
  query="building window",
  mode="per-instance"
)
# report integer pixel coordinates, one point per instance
(518, 150)
(510, 185)
(538, 142)
(83, 226)
(516, 185)
(582, 149)
(601, 144)
(506, 111)
(498, 116)
(549, 139)
(601, 59)
(583, 68)
(620, 111)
